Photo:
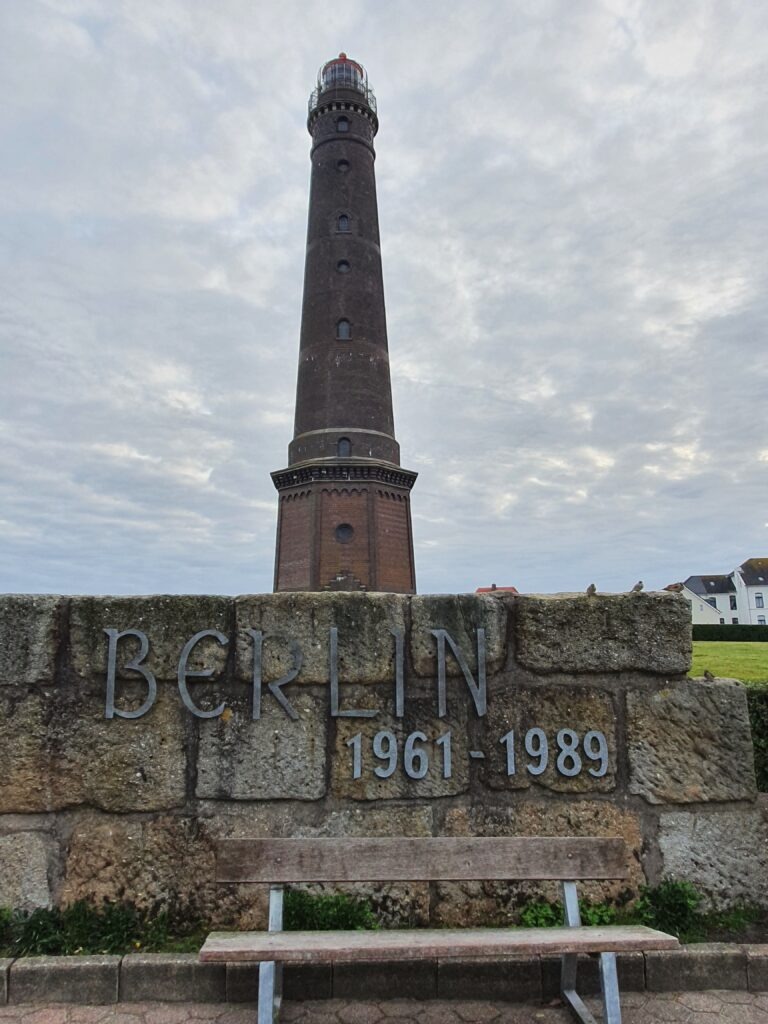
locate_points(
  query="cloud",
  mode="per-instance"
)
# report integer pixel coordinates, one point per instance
(573, 214)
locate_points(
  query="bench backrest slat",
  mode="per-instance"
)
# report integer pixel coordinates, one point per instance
(440, 858)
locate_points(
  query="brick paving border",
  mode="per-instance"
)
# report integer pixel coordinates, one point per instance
(714, 1007)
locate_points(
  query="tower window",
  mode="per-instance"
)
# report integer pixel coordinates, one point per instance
(343, 330)
(344, 448)
(733, 603)
(344, 533)
(342, 165)
(343, 266)
(342, 124)
(343, 223)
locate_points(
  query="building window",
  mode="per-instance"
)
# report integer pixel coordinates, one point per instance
(733, 602)
(759, 601)
(342, 124)
(735, 622)
(722, 622)
(343, 223)
(343, 330)
(344, 448)
(761, 620)
(342, 165)
(344, 533)
(343, 266)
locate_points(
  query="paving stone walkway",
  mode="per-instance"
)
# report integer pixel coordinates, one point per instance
(637, 1008)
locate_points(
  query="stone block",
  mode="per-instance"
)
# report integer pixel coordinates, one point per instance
(514, 979)
(630, 968)
(587, 976)
(308, 981)
(262, 821)
(242, 982)
(60, 751)
(387, 777)
(606, 633)
(171, 978)
(483, 904)
(65, 979)
(152, 862)
(300, 982)
(374, 980)
(693, 968)
(24, 871)
(690, 742)
(5, 968)
(395, 904)
(631, 971)
(461, 615)
(757, 967)
(366, 647)
(274, 758)
(168, 621)
(551, 709)
(723, 853)
(171, 859)
(30, 626)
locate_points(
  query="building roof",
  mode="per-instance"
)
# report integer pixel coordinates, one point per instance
(493, 588)
(754, 571)
(706, 585)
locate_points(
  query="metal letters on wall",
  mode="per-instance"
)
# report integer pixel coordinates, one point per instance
(570, 752)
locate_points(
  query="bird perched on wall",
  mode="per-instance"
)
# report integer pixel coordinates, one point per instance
(708, 675)
(591, 590)
(637, 587)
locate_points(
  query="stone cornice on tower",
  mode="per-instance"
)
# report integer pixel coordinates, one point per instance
(294, 475)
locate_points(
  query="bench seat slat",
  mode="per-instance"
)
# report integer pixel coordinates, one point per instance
(425, 944)
(442, 858)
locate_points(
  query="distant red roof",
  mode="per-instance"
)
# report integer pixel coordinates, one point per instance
(493, 587)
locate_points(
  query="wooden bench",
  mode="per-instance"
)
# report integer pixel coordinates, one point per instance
(280, 861)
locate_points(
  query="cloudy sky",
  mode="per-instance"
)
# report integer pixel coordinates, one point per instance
(574, 213)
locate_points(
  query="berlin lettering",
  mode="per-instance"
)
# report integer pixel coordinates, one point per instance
(569, 752)
(476, 684)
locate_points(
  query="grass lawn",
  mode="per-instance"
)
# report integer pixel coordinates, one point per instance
(745, 661)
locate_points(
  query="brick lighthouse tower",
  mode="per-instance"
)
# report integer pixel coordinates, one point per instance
(344, 513)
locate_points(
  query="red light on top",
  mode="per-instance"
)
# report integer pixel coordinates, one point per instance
(338, 64)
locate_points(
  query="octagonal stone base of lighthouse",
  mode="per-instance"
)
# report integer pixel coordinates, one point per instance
(344, 528)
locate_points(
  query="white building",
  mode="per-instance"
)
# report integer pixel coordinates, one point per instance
(739, 598)
(703, 612)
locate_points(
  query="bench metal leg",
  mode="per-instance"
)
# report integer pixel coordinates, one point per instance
(271, 973)
(609, 985)
(609, 981)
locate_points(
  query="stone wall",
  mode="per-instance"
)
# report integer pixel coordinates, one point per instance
(363, 739)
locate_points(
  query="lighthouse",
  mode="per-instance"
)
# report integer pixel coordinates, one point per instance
(344, 511)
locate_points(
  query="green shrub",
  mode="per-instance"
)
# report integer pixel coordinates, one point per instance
(744, 633)
(597, 913)
(306, 911)
(757, 702)
(550, 915)
(87, 928)
(672, 906)
(6, 916)
(541, 915)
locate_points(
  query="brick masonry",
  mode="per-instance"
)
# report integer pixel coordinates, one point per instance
(120, 808)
